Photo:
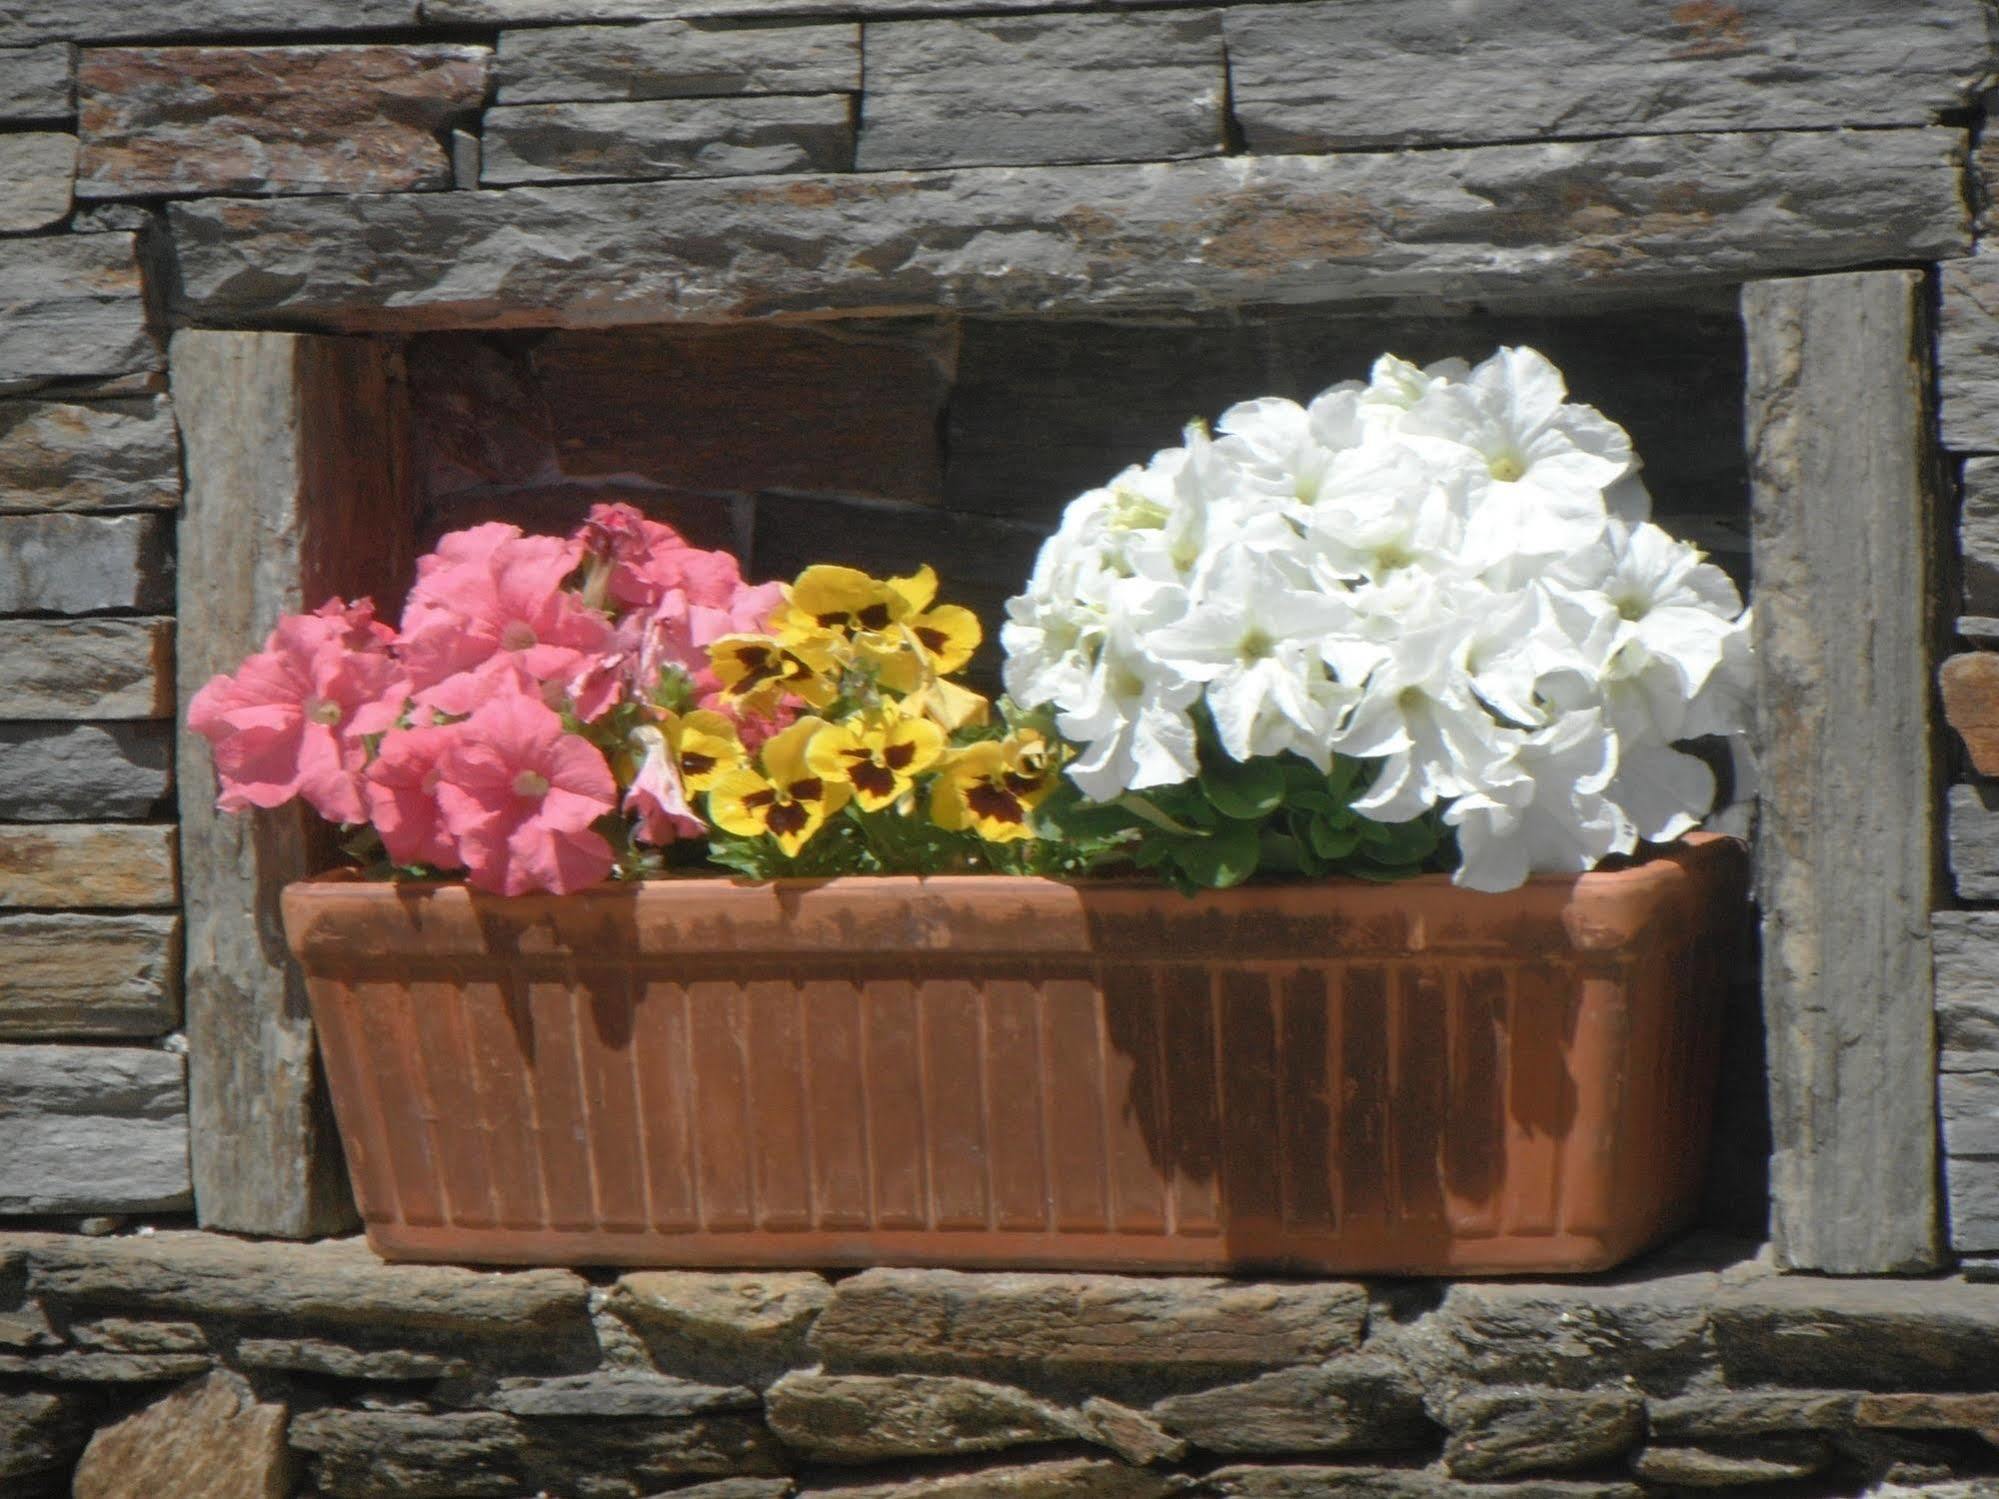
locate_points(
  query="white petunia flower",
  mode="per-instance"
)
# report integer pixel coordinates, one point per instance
(1448, 571)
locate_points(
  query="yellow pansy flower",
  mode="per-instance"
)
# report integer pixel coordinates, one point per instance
(704, 745)
(788, 800)
(756, 668)
(879, 758)
(944, 703)
(844, 600)
(992, 786)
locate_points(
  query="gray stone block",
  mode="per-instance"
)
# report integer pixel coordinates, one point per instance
(74, 975)
(25, 22)
(1877, 1334)
(1965, 946)
(1336, 75)
(665, 138)
(84, 564)
(1047, 89)
(74, 306)
(37, 180)
(89, 455)
(86, 669)
(1978, 535)
(511, 12)
(1662, 211)
(38, 83)
(1502, 1433)
(1974, 841)
(1968, 1105)
(1359, 1402)
(675, 60)
(88, 866)
(1972, 1185)
(83, 772)
(866, 1418)
(92, 1129)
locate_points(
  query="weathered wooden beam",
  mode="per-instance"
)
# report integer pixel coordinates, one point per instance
(1841, 511)
(296, 490)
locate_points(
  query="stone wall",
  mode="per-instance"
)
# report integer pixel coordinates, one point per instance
(1071, 227)
(192, 1364)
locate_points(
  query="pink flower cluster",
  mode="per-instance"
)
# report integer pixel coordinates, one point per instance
(457, 735)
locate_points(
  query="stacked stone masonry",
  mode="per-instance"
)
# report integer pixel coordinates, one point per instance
(962, 170)
(180, 1364)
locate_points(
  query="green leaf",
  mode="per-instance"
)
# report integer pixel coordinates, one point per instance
(1332, 840)
(1399, 842)
(1245, 789)
(1228, 858)
(1150, 811)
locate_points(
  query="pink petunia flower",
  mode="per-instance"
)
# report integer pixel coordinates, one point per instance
(292, 720)
(518, 793)
(494, 612)
(646, 560)
(401, 790)
(656, 794)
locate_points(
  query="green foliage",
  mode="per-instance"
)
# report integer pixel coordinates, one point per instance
(1278, 815)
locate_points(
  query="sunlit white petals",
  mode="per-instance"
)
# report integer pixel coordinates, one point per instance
(1446, 571)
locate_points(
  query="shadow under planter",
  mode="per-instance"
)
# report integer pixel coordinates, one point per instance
(986, 1071)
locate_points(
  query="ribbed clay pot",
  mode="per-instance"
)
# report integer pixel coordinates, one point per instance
(994, 1071)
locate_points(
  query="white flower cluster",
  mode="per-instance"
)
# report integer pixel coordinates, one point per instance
(1448, 570)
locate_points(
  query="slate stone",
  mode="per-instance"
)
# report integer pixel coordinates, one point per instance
(1929, 1412)
(72, 975)
(506, 12)
(1336, 75)
(1501, 1433)
(41, 1433)
(1879, 1334)
(92, 1129)
(661, 138)
(1973, 829)
(88, 866)
(1968, 990)
(1311, 1481)
(66, 670)
(84, 564)
(89, 455)
(1042, 89)
(1838, 421)
(1968, 356)
(1649, 1326)
(37, 178)
(211, 1440)
(70, 1367)
(747, 1324)
(315, 119)
(75, 307)
(867, 1418)
(1978, 535)
(1592, 216)
(24, 22)
(38, 83)
(675, 60)
(125, 1335)
(411, 1455)
(1725, 1463)
(1736, 1413)
(948, 1319)
(615, 1393)
(1061, 1478)
(1131, 1434)
(1358, 1403)
(1971, 1184)
(50, 772)
(1968, 1103)
(343, 1361)
(325, 1287)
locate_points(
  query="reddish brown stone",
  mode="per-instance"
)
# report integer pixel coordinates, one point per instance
(210, 1440)
(271, 119)
(1970, 683)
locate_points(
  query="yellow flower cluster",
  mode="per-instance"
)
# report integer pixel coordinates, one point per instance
(874, 657)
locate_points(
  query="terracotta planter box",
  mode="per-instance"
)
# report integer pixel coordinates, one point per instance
(985, 1071)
